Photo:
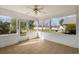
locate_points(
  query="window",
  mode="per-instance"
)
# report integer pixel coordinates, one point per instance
(23, 28)
(65, 25)
(26, 26)
(7, 25)
(31, 25)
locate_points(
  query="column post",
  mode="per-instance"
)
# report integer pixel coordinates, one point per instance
(27, 28)
(50, 25)
(18, 26)
(77, 28)
(42, 25)
(37, 27)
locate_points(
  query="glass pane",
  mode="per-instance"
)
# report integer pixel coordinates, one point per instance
(64, 25)
(7, 25)
(31, 25)
(23, 28)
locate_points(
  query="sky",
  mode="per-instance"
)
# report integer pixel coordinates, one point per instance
(55, 21)
(67, 19)
(5, 18)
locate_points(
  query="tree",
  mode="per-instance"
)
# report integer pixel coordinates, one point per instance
(4, 28)
(71, 29)
(31, 24)
(13, 26)
(61, 21)
(22, 28)
(23, 25)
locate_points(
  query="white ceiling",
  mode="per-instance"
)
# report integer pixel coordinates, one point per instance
(51, 11)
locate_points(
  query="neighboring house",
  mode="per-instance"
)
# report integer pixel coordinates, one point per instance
(61, 28)
(68, 20)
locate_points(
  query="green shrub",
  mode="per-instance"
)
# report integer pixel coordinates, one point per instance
(4, 28)
(71, 29)
(13, 30)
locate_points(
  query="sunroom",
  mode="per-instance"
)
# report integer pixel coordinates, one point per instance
(39, 29)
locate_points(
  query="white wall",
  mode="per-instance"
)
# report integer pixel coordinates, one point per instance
(69, 40)
(6, 40)
(10, 39)
(29, 36)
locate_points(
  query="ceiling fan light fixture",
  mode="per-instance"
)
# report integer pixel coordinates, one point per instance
(37, 9)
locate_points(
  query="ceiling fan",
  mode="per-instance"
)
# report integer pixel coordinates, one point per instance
(37, 9)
